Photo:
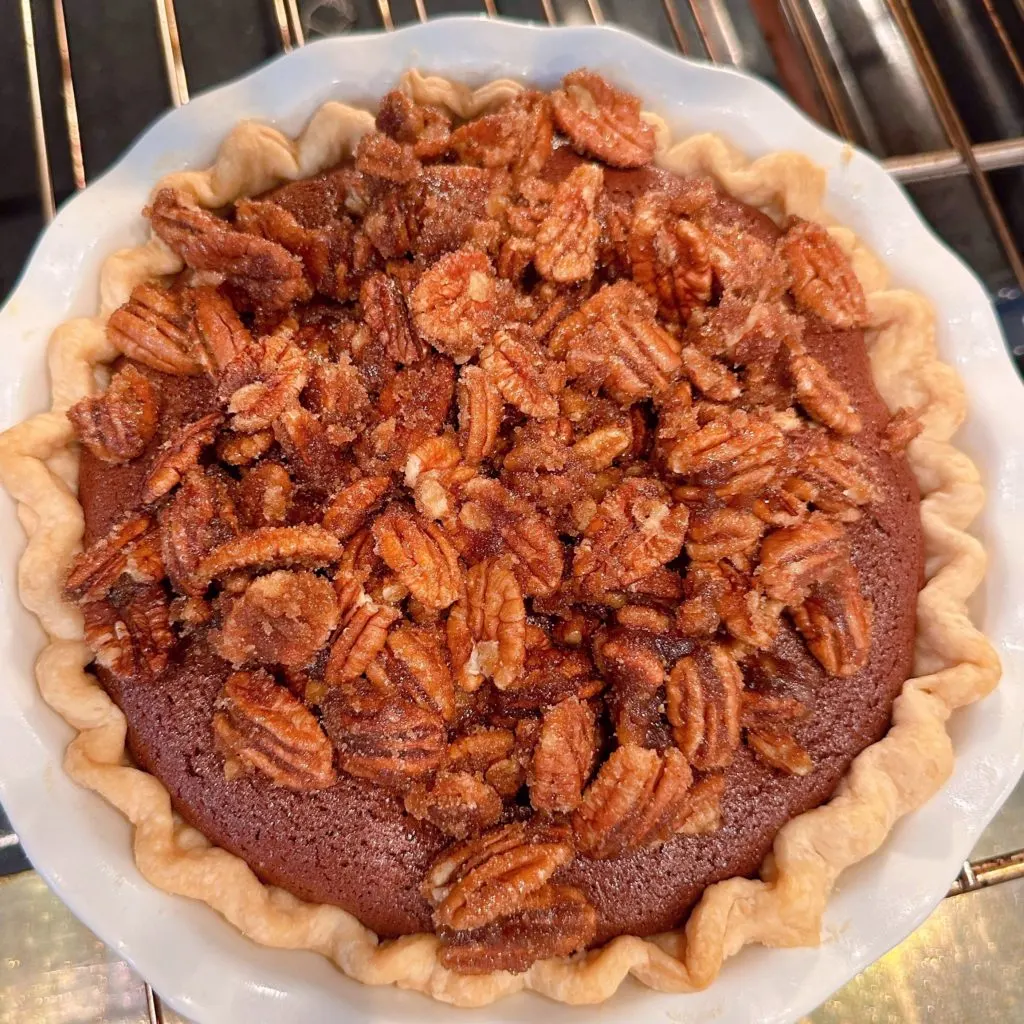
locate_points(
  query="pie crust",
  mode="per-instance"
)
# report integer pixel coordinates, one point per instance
(954, 664)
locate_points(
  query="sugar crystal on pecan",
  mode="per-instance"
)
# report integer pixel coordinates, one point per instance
(117, 425)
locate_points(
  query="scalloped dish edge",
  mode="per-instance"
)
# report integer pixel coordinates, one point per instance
(954, 663)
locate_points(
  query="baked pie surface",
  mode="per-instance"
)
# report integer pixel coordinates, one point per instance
(701, 563)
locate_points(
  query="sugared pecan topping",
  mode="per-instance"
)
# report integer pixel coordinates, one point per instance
(563, 757)
(380, 156)
(642, 799)
(566, 240)
(271, 547)
(630, 659)
(243, 449)
(264, 496)
(636, 530)
(153, 329)
(822, 396)
(178, 454)
(129, 549)
(602, 121)
(385, 313)
(614, 342)
(833, 475)
(480, 412)
(420, 555)
(455, 305)
(824, 282)
(264, 381)
(518, 135)
(526, 378)
(130, 632)
(364, 632)
(416, 665)
(724, 533)
(426, 129)
(668, 255)
(835, 622)
(117, 425)
(487, 627)
(457, 803)
(283, 618)
(350, 508)
(489, 877)
(218, 334)
(703, 692)
(709, 376)
(264, 271)
(480, 750)
(260, 725)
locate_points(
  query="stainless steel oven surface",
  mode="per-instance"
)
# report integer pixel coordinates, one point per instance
(934, 88)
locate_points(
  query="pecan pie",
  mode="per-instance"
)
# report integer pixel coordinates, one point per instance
(501, 517)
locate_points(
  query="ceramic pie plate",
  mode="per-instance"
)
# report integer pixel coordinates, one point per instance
(201, 965)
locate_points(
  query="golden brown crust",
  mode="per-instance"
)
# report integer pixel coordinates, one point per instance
(954, 663)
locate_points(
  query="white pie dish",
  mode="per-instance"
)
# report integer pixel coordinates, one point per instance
(200, 964)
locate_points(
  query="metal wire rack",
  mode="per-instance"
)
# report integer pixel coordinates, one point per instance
(798, 42)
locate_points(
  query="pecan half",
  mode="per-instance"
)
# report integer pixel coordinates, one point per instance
(835, 622)
(380, 156)
(364, 632)
(117, 425)
(602, 121)
(822, 396)
(480, 750)
(614, 342)
(641, 799)
(218, 335)
(178, 454)
(481, 409)
(455, 304)
(152, 328)
(525, 376)
(768, 723)
(631, 661)
(260, 725)
(668, 256)
(386, 314)
(264, 271)
(130, 632)
(350, 508)
(420, 555)
(265, 380)
(456, 803)
(487, 627)
(824, 282)
(283, 618)
(129, 549)
(566, 240)
(563, 757)
(792, 559)
(709, 376)
(426, 129)
(518, 135)
(264, 496)
(724, 533)
(243, 449)
(271, 547)
(416, 665)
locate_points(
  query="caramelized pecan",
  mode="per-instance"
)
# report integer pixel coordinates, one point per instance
(218, 335)
(416, 665)
(824, 282)
(130, 631)
(563, 757)
(456, 803)
(380, 156)
(152, 328)
(350, 508)
(835, 622)
(117, 425)
(260, 725)
(420, 555)
(566, 240)
(822, 396)
(265, 380)
(385, 313)
(264, 496)
(129, 549)
(271, 547)
(792, 559)
(178, 454)
(364, 632)
(480, 414)
(768, 723)
(525, 376)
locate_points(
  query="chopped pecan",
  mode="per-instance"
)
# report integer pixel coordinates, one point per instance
(489, 877)
(792, 559)
(668, 256)
(724, 533)
(350, 508)
(130, 632)
(283, 618)
(737, 453)
(822, 396)
(768, 723)
(152, 328)
(426, 129)
(566, 240)
(200, 517)
(480, 413)
(636, 530)
(178, 454)
(435, 473)
(264, 497)
(554, 921)
(550, 675)
(242, 449)
(117, 425)
(265, 380)
(480, 750)
(264, 271)
(613, 342)
(364, 632)
(709, 376)
(391, 742)
(420, 555)
(525, 376)
(824, 282)
(455, 304)
(386, 314)
(703, 703)
(563, 757)
(901, 429)
(835, 622)
(380, 156)
(602, 121)
(129, 549)
(271, 547)
(417, 666)
(487, 627)
(640, 799)
(457, 803)
(260, 725)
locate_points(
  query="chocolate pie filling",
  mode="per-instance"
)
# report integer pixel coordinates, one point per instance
(353, 843)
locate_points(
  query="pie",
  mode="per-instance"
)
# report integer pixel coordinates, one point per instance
(499, 502)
